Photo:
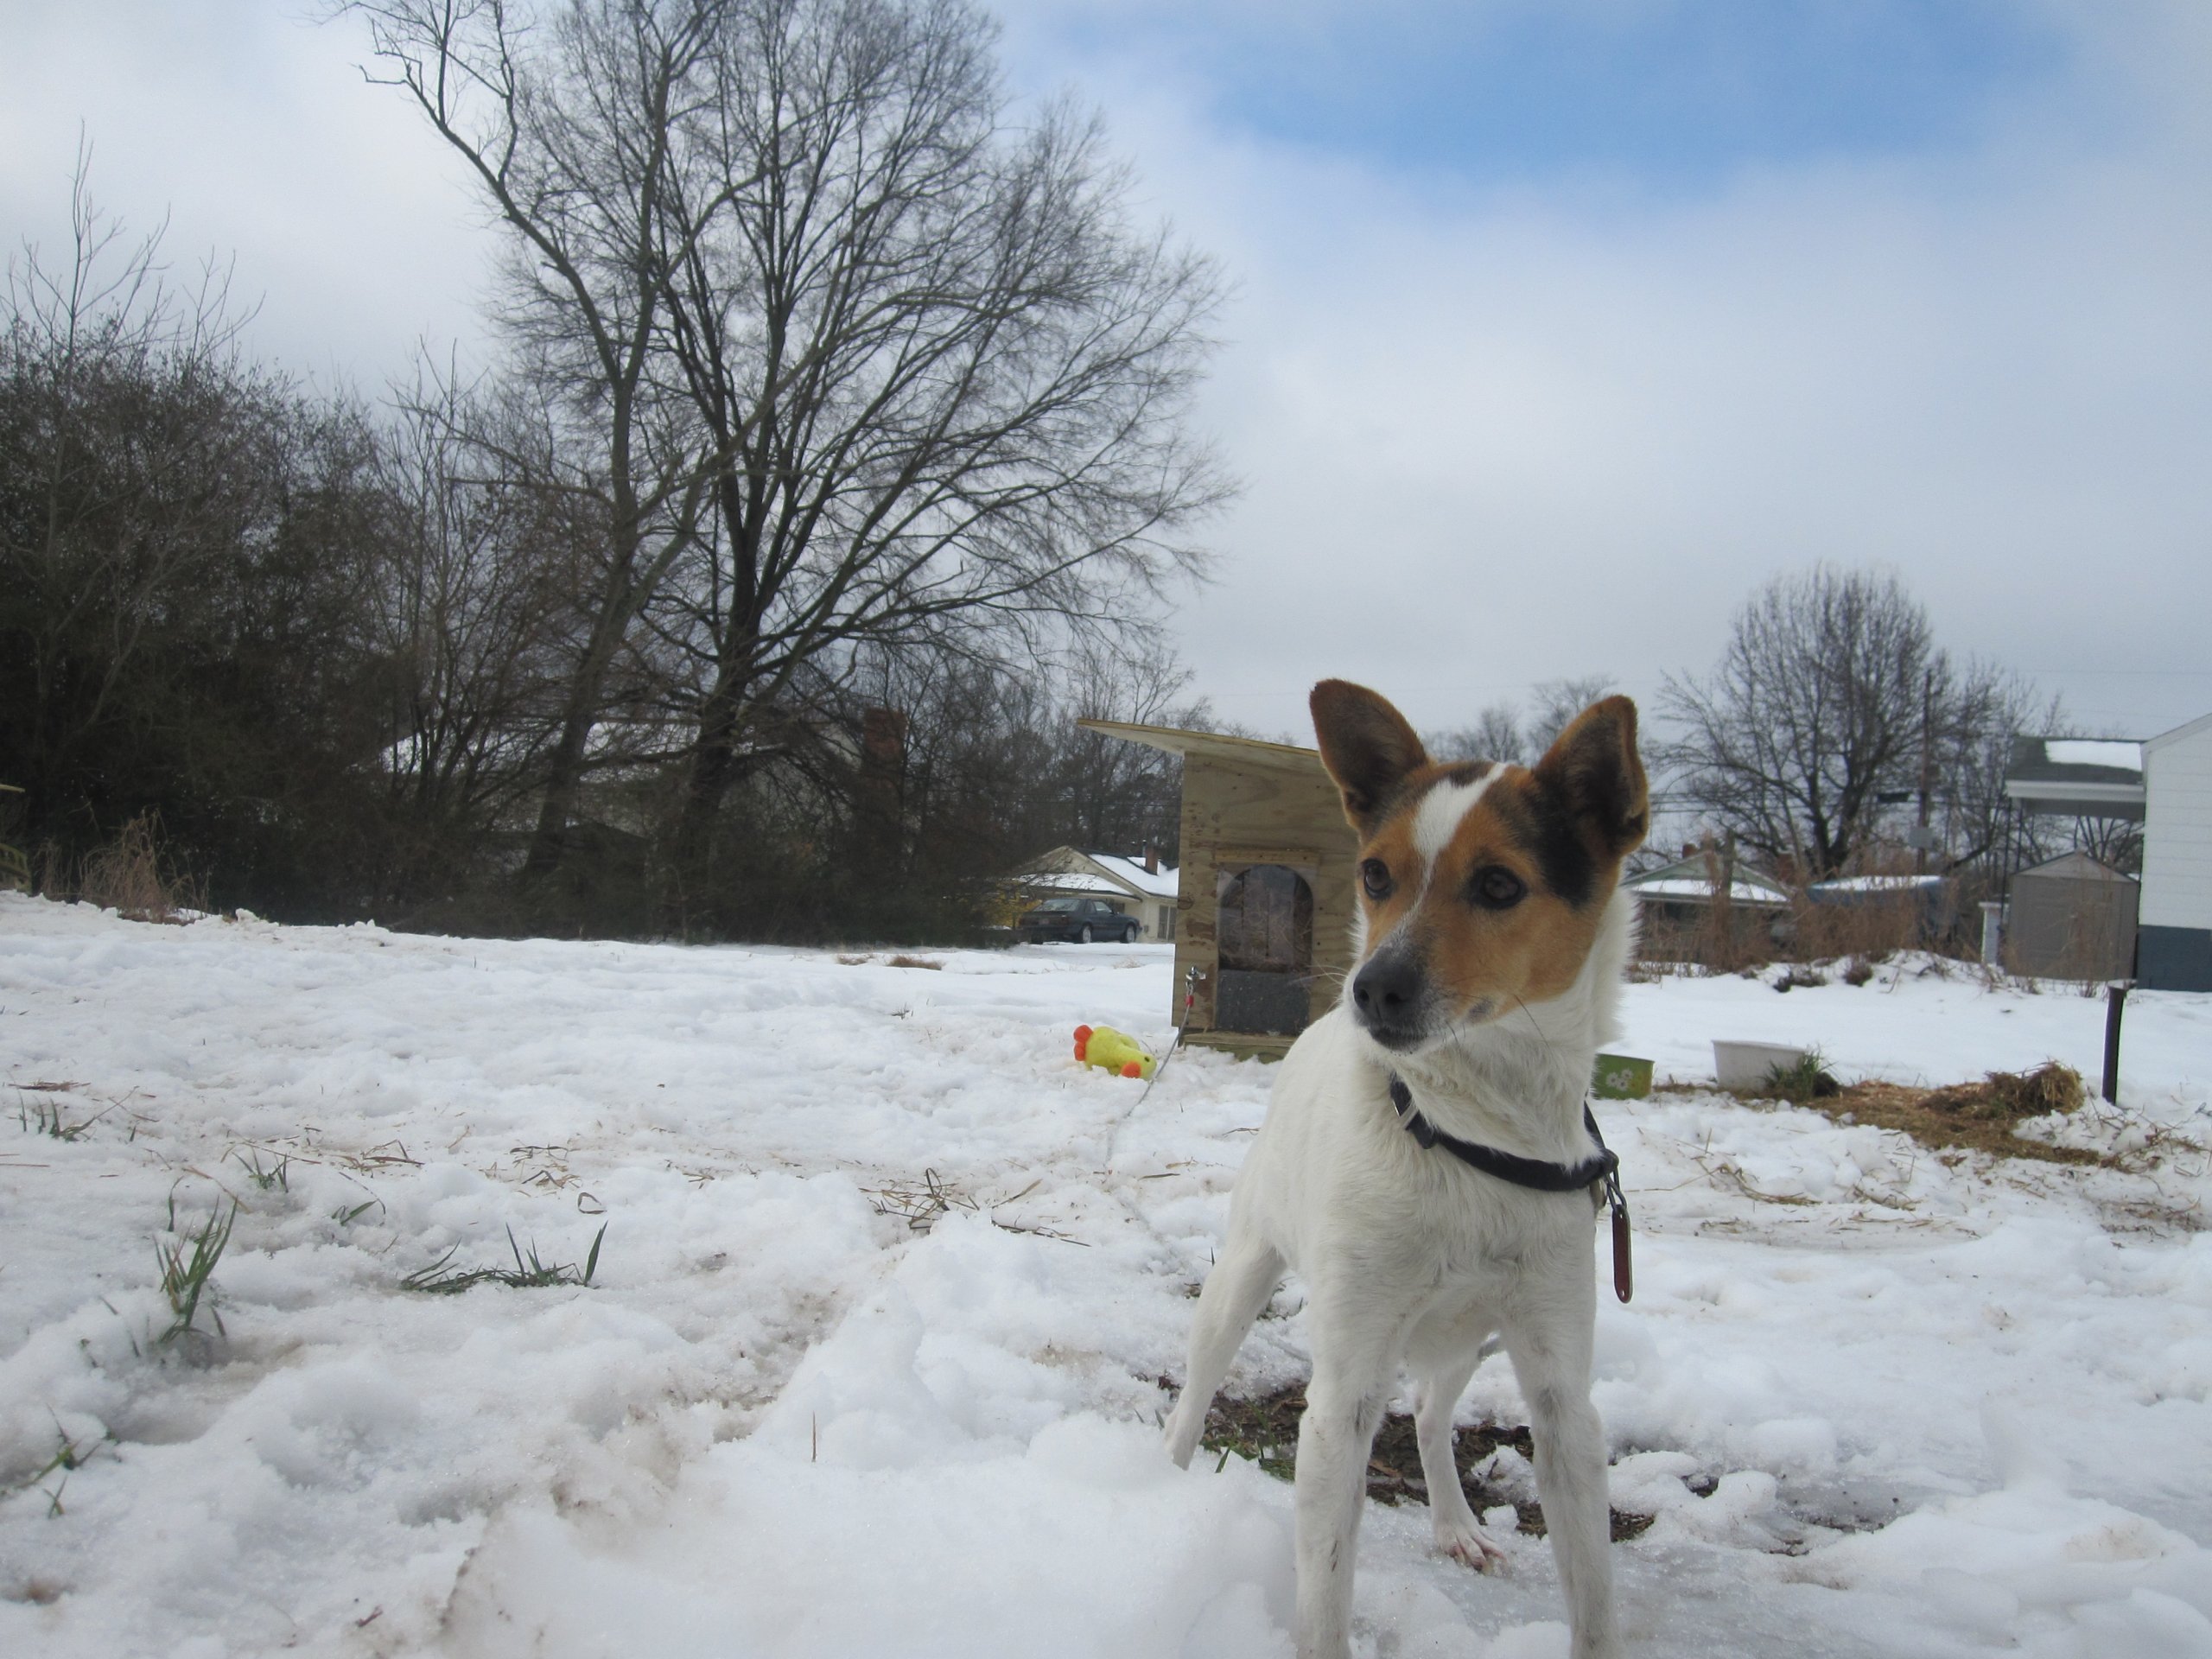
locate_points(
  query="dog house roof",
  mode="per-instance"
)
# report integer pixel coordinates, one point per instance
(1212, 745)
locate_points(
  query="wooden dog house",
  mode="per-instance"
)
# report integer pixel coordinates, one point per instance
(1264, 898)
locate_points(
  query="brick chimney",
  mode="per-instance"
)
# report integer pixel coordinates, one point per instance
(878, 781)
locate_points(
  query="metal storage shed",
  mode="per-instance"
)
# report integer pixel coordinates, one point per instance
(1264, 901)
(2071, 917)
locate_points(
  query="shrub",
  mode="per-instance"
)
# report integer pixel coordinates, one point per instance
(131, 876)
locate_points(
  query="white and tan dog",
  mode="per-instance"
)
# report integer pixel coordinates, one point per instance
(1490, 942)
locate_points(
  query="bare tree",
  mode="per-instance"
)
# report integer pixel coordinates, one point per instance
(1495, 735)
(1830, 695)
(188, 543)
(1975, 824)
(994, 757)
(862, 362)
(916, 780)
(1556, 702)
(1118, 797)
(124, 411)
(1500, 733)
(569, 123)
(943, 380)
(479, 566)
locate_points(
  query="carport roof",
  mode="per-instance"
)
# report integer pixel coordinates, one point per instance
(2077, 777)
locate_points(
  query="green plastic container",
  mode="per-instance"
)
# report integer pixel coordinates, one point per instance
(1621, 1076)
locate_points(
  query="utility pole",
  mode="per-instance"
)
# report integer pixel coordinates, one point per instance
(1721, 915)
(1927, 766)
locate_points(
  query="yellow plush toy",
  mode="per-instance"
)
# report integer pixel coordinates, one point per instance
(1113, 1050)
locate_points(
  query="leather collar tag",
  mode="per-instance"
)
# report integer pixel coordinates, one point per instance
(1623, 1268)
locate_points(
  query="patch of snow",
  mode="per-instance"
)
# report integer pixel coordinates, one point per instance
(2125, 755)
(1072, 883)
(1160, 883)
(1876, 884)
(1920, 1404)
(1742, 892)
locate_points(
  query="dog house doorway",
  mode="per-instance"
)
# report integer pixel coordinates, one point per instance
(1265, 944)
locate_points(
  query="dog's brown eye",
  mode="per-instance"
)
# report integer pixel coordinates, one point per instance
(1375, 876)
(1496, 888)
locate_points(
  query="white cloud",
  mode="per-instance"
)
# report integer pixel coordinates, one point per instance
(252, 129)
(1503, 438)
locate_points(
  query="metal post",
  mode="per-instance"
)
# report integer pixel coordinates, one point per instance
(1993, 932)
(2115, 1000)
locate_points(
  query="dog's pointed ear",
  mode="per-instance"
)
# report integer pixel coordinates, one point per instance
(1594, 768)
(1366, 744)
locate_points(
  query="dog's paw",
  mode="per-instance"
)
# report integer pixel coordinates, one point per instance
(1467, 1542)
(1180, 1441)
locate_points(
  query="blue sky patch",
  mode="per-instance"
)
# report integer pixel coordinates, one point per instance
(1673, 93)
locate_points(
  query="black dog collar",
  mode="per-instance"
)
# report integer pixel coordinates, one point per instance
(1506, 1165)
(1600, 1171)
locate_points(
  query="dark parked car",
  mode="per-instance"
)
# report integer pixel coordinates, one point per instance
(1079, 919)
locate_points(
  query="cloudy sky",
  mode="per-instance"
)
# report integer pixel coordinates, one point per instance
(1560, 324)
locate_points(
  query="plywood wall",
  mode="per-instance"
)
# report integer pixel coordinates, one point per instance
(1270, 814)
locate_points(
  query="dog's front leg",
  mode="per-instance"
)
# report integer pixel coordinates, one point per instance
(1442, 1380)
(1355, 1356)
(1234, 1294)
(1549, 1344)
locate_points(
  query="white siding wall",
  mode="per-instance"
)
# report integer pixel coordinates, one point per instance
(2178, 833)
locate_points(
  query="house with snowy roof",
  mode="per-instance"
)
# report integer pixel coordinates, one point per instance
(1691, 884)
(1682, 902)
(1141, 887)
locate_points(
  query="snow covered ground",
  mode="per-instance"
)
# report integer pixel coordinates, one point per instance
(1952, 1408)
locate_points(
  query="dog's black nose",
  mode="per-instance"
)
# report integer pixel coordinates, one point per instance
(1386, 994)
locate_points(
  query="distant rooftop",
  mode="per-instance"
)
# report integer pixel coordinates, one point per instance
(2077, 777)
(1064, 881)
(1875, 884)
(1699, 890)
(1160, 883)
(1691, 881)
(2076, 866)
(1112, 874)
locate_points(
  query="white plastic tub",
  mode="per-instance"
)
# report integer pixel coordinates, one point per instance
(1748, 1065)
